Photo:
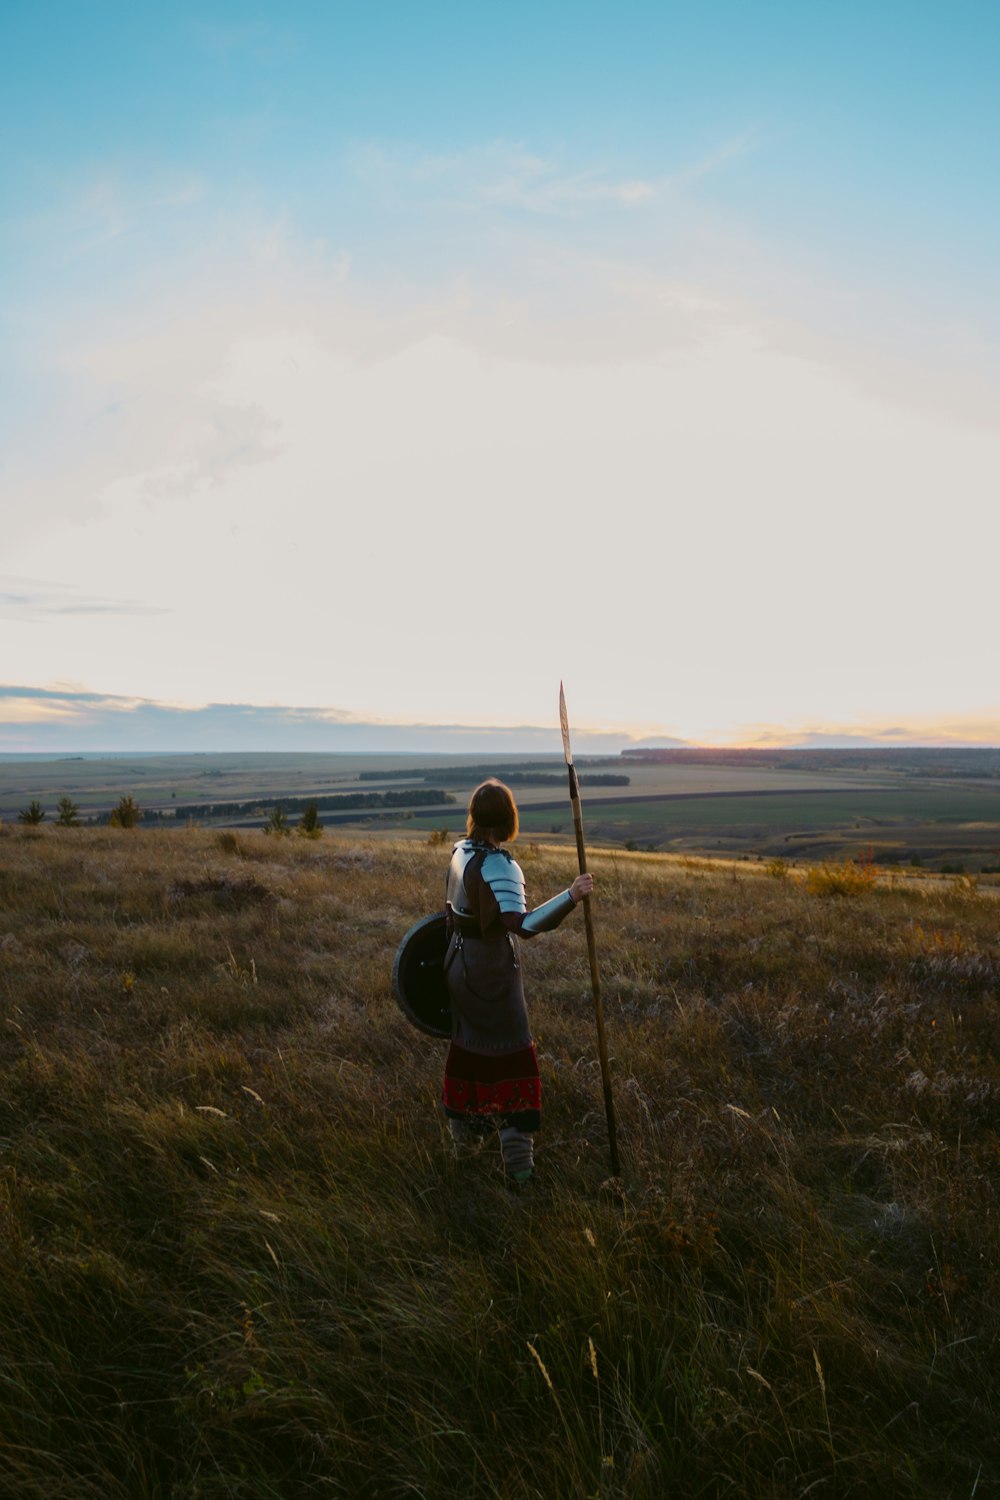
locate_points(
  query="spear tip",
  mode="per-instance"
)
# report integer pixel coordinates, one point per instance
(564, 726)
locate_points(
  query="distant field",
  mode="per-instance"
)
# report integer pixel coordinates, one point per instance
(751, 808)
(156, 780)
(938, 823)
(96, 783)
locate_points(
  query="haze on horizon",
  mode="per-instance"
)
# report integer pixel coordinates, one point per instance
(378, 368)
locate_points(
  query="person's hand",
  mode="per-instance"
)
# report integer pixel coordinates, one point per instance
(582, 886)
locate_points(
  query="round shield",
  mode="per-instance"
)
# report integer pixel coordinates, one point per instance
(418, 980)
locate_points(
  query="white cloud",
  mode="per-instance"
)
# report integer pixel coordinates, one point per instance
(724, 530)
(506, 175)
(27, 600)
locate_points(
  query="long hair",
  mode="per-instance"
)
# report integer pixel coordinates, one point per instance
(492, 813)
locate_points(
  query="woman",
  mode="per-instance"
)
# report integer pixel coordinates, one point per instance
(491, 1075)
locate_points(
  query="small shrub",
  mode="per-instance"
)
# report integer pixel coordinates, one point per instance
(437, 836)
(777, 869)
(848, 879)
(309, 825)
(69, 813)
(127, 814)
(277, 822)
(32, 815)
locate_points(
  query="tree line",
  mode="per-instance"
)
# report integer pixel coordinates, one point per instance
(508, 773)
(535, 776)
(333, 802)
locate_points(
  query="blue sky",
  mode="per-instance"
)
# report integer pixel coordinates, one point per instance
(716, 284)
(869, 131)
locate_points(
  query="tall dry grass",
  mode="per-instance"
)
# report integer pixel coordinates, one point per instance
(238, 1259)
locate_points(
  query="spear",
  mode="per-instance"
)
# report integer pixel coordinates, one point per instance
(595, 978)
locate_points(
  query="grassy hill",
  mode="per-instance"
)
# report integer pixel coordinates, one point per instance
(238, 1259)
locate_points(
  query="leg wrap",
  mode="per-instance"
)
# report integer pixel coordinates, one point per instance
(518, 1149)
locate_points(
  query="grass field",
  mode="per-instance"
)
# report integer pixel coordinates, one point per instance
(239, 1261)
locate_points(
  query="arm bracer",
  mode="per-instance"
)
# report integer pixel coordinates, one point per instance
(543, 918)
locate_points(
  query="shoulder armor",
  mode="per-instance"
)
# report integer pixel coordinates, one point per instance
(455, 893)
(505, 879)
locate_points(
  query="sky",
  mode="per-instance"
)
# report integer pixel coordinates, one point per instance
(366, 370)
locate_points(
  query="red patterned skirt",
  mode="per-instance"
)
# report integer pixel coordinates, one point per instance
(499, 1087)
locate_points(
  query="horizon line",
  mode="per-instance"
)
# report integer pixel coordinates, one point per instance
(70, 719)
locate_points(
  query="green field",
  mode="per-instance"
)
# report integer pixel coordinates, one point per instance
(872, 809)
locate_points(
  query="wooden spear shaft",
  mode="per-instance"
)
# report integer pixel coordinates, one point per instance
(595, 978)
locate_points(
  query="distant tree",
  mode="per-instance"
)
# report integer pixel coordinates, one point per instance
(276, 822)
(127, 814)
(309, 824)
(69, 813)
(33, 814)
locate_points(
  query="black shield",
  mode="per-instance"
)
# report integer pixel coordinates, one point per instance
(418, 980)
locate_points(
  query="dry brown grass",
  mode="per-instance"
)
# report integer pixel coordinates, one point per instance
(238, 1259)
